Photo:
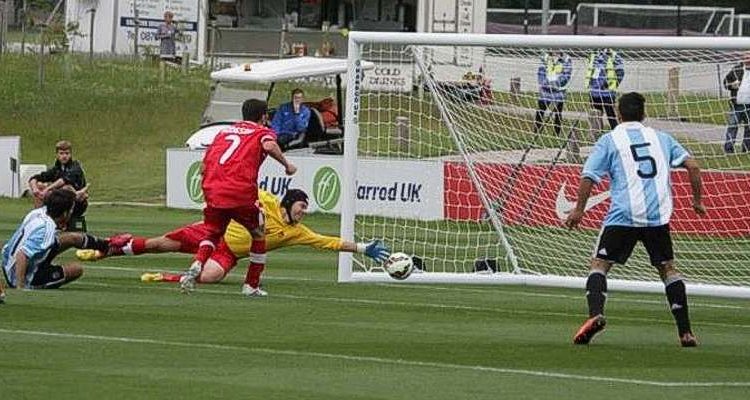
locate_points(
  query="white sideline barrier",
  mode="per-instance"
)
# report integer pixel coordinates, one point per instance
(399, 189)
(10, 150)
(505, 278)
(27, 171)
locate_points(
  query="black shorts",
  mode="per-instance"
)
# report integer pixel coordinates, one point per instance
(48, 276)
(616, 243)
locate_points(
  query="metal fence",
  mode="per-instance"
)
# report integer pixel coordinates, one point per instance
(254, 43)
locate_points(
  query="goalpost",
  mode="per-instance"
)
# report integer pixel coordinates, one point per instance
(500, 187)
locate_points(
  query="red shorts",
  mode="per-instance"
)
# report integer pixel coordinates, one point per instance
(217, 219)
(224, 257)
(190, 237)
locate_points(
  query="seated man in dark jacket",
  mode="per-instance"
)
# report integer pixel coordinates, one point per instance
(66, 173)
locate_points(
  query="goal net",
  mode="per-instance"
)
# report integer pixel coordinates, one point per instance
(494, 183)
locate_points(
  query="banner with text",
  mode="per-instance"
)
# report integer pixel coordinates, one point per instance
(150, 16)
(401, 189)
(389, 77)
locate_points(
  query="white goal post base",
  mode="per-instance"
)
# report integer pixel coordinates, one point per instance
(502, 278)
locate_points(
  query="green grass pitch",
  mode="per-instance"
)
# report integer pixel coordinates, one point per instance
(110, 336)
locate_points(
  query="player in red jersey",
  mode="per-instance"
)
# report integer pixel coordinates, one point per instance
(230, 188)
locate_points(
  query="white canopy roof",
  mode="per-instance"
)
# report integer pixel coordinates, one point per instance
(285, 69)
(203, 137)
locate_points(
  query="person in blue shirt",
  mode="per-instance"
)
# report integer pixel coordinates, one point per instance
(27, 256)
(291, 119)
(637, 160)
(553, 76)
(604, 73)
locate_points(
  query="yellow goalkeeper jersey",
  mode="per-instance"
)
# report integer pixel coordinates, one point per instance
(278, 232)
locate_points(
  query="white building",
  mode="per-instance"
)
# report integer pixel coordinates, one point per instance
(261, 28)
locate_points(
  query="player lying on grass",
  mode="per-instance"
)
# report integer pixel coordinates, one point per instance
(282, 227)
(27, 256)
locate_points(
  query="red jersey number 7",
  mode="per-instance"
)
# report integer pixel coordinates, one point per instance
(235, 139)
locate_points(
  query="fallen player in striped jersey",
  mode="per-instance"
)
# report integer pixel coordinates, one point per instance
(26, 259)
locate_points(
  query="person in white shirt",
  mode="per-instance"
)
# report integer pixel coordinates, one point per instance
(739, 114)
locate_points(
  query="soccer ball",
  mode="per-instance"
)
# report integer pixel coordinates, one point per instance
(399, 266)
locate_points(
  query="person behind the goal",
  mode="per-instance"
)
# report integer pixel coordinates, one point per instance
(637, 159)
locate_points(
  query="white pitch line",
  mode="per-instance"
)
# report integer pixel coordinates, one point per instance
(140, 270)
(468, 290)
(438, 306)
(558, 296)
(126, 203)
(108, 268)
(376, 360)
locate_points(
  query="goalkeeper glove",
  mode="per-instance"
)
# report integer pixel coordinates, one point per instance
(377, 250)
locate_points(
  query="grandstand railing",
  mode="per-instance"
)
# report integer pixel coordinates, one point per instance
(714, 15)
(735, 25)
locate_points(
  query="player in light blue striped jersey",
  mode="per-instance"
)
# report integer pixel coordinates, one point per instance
(27, 257)
(637, 159)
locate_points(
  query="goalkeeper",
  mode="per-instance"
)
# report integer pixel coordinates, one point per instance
(282, 226)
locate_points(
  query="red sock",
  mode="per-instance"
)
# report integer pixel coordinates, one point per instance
(170, 277)
(204, 251)
(134, 247)
(257, 263)
(254, 271)
(138, 245)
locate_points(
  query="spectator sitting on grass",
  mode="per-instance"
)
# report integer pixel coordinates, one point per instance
(291, 119)
(65, 173)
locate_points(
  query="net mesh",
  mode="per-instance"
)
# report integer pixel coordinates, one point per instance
(473, 110)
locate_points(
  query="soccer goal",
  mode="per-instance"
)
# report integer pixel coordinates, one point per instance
(496, 187)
